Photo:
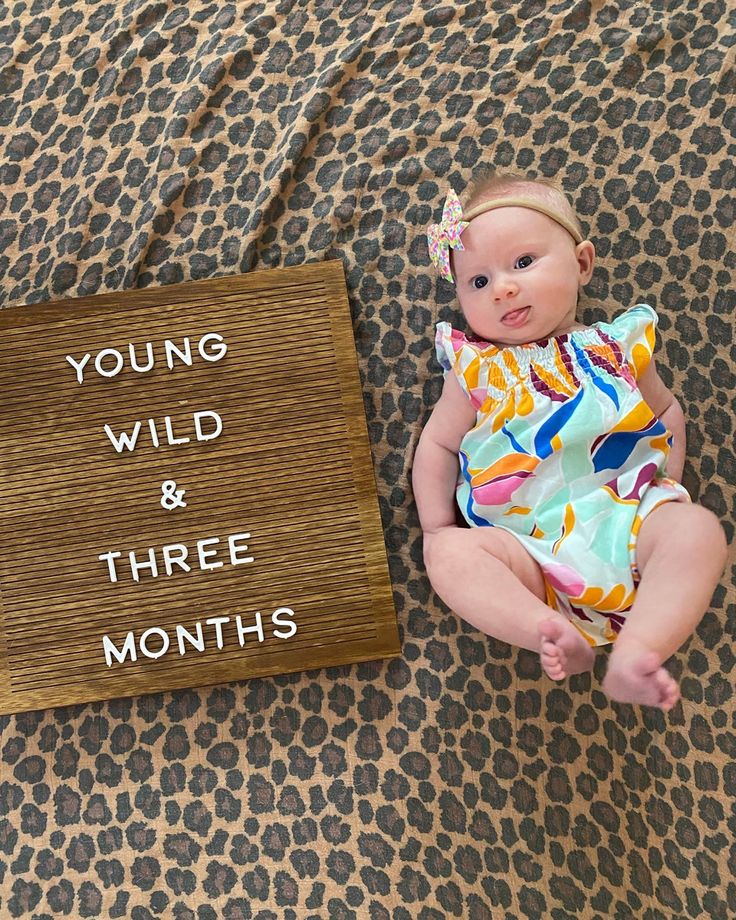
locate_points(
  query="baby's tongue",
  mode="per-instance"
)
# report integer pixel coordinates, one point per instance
(516, 316)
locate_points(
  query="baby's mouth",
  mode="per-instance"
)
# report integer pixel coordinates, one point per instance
(516, 317)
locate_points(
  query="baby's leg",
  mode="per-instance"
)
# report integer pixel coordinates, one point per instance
(681, 552)
(489, 579)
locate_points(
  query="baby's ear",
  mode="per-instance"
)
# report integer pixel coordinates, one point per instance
(585, 253)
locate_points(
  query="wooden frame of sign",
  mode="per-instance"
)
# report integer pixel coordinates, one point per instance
(186, 490)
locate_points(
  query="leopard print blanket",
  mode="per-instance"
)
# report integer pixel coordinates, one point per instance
(145, 143)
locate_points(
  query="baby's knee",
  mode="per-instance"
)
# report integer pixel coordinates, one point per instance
(712, 533)
(441, 549)
(703, 528)
(457, 547)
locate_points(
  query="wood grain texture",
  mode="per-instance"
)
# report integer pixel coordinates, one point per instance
(291, 467)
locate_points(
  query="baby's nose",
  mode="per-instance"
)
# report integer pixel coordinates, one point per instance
(504, 289)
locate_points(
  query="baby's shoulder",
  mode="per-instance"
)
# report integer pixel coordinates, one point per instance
(454, 345)
(634, 332)
(633, 320)
(468, 358)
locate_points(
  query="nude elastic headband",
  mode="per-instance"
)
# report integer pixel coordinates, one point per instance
(445, 235)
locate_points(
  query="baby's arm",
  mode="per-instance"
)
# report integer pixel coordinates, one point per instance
(434, 475)
(664, 405)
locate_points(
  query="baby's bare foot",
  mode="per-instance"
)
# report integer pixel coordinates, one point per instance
(563, 651)
(636, 675)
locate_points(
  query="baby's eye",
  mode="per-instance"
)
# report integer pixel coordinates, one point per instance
(480, 281)
(524, 261)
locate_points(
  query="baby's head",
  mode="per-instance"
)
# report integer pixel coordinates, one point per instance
(520, 270)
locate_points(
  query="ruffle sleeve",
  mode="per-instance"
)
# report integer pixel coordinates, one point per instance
(634, 330)
(468, 360)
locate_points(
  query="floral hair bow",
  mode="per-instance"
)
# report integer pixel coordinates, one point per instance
(446, 234)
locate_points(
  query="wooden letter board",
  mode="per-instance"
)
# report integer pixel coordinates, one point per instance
(274, 536)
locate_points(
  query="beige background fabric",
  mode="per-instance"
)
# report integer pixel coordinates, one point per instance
(148, 143)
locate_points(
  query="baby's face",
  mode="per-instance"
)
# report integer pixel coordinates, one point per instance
(518, 276)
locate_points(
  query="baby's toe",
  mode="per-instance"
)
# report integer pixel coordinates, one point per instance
(671, 702)
(550, 655)
(668, 689)
(552, 663)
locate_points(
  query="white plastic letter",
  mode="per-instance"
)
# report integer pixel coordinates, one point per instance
(111, 651)
(203, 554)
(288, 612)
(153, 430)
(242, 630)
(217, 623)
(168, 552)
(170, 432)
(198, 428)
(110, 564)
(182, 633)
(219, 351)
(136, 566)
(185, 356)
(149, 355)
(125, 440)
(78, 365)
(234, 549)
(118, 362)
(165, 642)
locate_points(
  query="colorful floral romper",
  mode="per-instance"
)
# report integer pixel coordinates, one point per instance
(566, 455)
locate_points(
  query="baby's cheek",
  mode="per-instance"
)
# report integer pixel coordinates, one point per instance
(474, 316)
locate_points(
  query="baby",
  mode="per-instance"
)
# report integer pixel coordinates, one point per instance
(563, 449)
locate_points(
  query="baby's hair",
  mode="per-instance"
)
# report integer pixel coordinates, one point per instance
(486, 183)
